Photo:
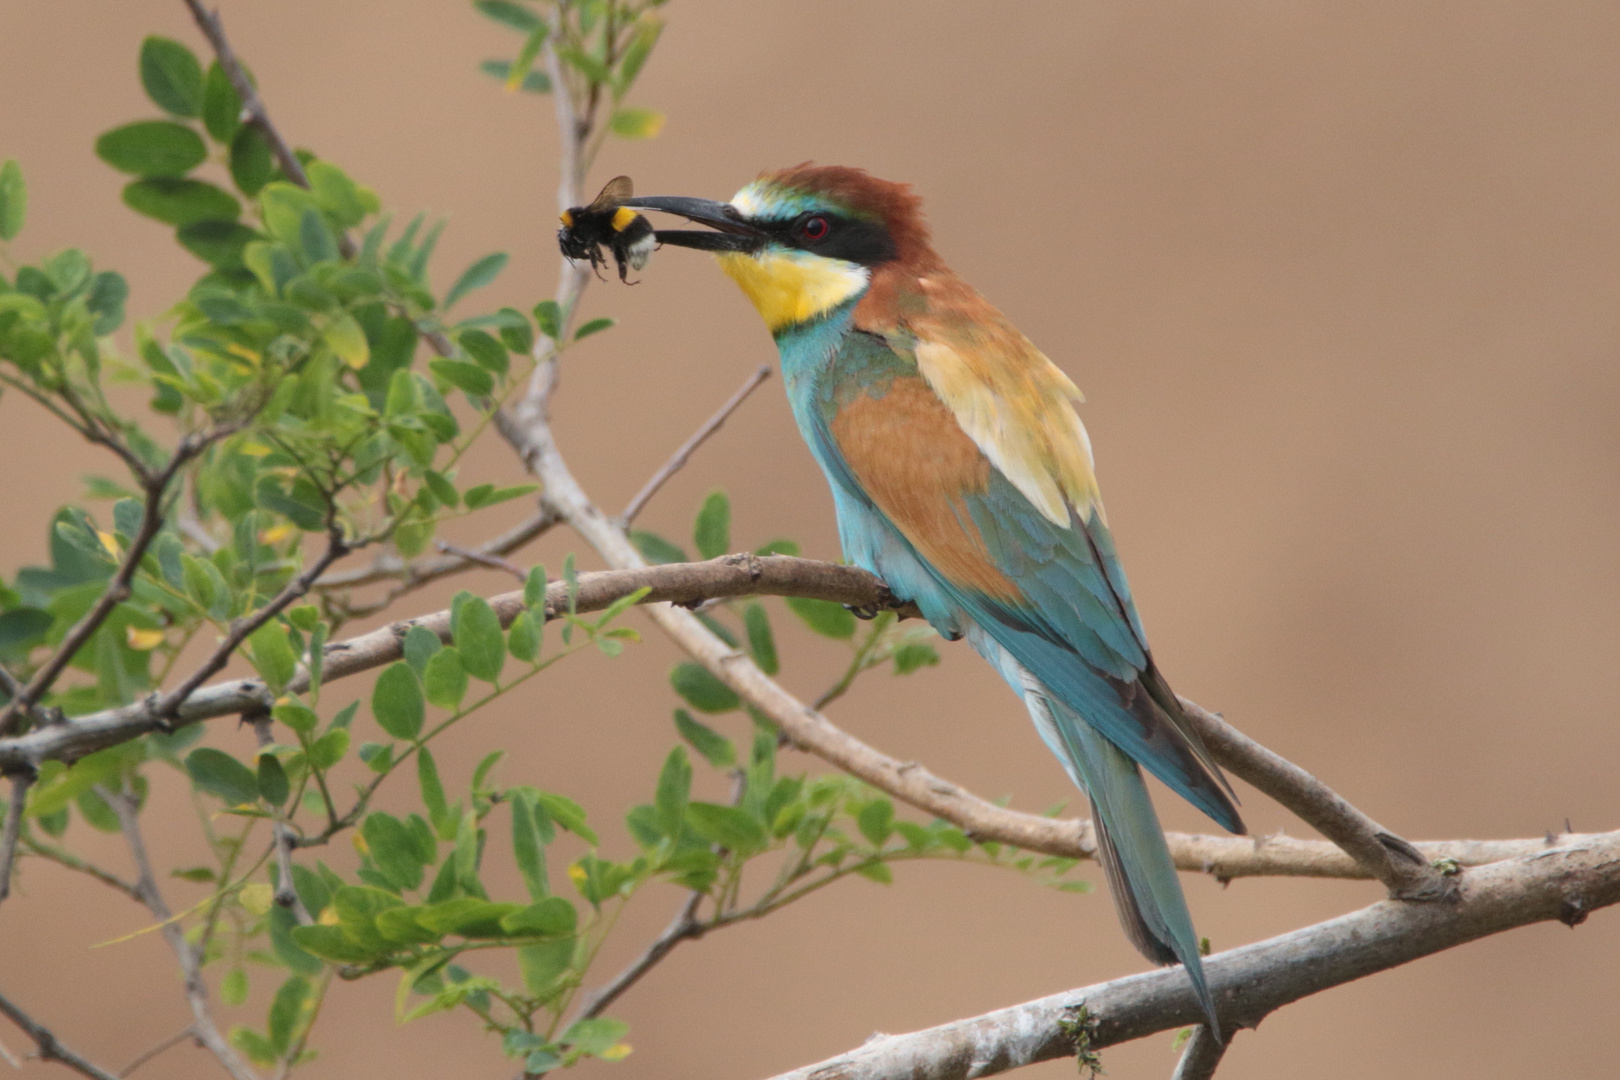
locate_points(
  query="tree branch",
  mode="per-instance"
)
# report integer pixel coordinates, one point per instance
(679, 459)
(1563, 883)
(286, 839)
(50, 1047)
(413, 575)
(1202, 1055)
(21, 781)
(123, 804)
(147, 1055)
(685, 925)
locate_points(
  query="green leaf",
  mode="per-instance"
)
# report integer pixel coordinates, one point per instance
(287, 1013)
(913, 655)
(876, 821)
(217, 243)
(655, 549)
(330, 943)
(634, 123)
(595, 326)
(516, 333)
(152, 148)
(171, 76)
(526, 54)
(507, 13)
(534, 587)
(761, 642)
(233, 988)
(528, 845)
(486, 351)
(221, 775)
(347, 341)
(878, 872)
(595, 1035)
(477, 633)
(464, 375)
(272, 779)
(315, 237)
(476, 276)
(178, 201)
(252, 162)
(420, 644)
(444, 680)
(547, 917)
(221, 108)
(567, 813)
(535, 82)
(548, 317)
(488, 494)
(523, 638)
(779, 547)
(396, 701)
(673, 792)
(824, 617)
(13, 200)
(298, 717)
(702, 690)
(433, 800)
(465, 856)
(357, 908)
(328, 750)
(544, 963)
(393, 849)
(715, 747)
(712, 530)
(273, 656)
(729, 826)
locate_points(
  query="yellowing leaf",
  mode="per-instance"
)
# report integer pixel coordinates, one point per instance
(257, 897)
(616, 1052)
(635, 123)
(110, 542)
(576, 874)
(345, 338)
(275, 534)
(253, 449)
(360, 844)
(328, 916)
(142, 640)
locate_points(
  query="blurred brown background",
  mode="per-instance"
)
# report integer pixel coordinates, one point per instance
(1340, 282)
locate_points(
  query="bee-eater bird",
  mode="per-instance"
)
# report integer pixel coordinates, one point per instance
(963, 477)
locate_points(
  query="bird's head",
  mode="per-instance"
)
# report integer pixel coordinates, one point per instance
(806, 240)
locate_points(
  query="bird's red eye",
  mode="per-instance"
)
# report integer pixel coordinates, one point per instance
(815, 228)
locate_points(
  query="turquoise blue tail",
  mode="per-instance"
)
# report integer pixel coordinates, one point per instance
(1130, 843)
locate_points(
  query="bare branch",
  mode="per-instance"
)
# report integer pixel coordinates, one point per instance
(20, 783)
(123, 804)
(1201, 1056)
(685, 925)
(678, 460)
(147, 1055)
(491, 561)
(63, 857)
(1563, 883)
(50, 1047)
(413, 575)
(1400, 866)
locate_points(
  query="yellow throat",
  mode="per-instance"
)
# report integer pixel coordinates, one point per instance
(789, 287)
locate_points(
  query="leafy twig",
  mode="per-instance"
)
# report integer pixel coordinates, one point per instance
(20, 783)
(679, 458)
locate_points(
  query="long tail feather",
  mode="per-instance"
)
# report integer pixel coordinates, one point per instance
(1130, 846)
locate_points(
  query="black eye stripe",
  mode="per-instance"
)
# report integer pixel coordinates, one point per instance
(857, 240)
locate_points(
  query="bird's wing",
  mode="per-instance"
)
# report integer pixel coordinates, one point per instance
(966, 442)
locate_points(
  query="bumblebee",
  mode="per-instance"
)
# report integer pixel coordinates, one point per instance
(608, 223)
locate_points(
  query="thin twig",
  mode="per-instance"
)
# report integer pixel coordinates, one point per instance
(685, 925)
(50, 1047)
(168, 706)
(1252, 981)
(63, 857)
(286, 839)
(1395, 862)
(20, 783)
(678, 459)
(9, 684)
(494, 562)
(123, 804)
(413, 575)
(1202, 1055)
(147, 1055)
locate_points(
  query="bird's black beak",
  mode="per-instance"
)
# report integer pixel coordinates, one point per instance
(732, 231)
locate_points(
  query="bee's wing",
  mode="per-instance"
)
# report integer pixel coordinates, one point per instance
(613, 193)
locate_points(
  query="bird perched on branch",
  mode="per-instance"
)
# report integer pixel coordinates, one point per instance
(963, 477)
